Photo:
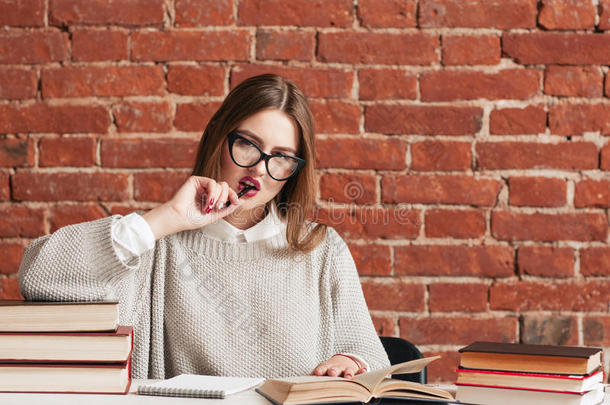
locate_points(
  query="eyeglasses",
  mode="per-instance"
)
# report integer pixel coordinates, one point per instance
(246, 153)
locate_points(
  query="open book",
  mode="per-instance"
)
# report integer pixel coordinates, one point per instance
(362, 388)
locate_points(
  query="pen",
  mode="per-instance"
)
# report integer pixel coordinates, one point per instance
(242, 192)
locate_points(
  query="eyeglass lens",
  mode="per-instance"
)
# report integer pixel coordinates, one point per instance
(246, 154)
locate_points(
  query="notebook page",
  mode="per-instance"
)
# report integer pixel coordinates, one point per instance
(202, 383)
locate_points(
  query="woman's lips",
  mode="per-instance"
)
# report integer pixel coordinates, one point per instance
(250, 193)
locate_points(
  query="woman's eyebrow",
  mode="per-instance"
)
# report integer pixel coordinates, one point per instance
(259, 140)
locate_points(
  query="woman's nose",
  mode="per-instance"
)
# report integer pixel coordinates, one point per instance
(259, 169)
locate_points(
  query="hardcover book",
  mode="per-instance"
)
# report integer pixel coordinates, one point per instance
(531, 358)
(66, 347)
(362, 388)
(43, 316)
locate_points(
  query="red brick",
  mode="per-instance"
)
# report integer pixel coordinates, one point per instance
(90, 46)
(549, 227)
(70, 186)
(458, 330)
(5, 191)
(203, 13)
(314, 82)
(19, 13)
(348, 188)
(145, 153)
(17, 83)
(17, 152)
(394, 295)
(102, 81)
(9, 289)
(549, 330)
(67, 151)
(285, 45)
(11, 257)
(471, 50)
(605, 157)
(571, 119)
(477, 14)
(595, 261)
(596, 330)
(443, 369)
(68, 214)
(518, 121)
(361, 153)
(19, 221)
(550, 296)
(125, 209)
(194, 116)
(372, 223)
(441, 156)
(378, 48)
(577, 81)
(567, 14)
(372, 260)
(537, 191)
(557, 48)
(448, 189)
(58, 119)
(530, 155)
(387, 13)
(143, 117)
(546, 261)
(424, 120)
(196, 80)
(451, 260)
(188, 45)
(455, 85)
(317, 13)
(384, 325)
(457, 224)
(592, 193)
(116, 12)
(33, 47)
(157, 186)
(607, 84)
(604, 15)
(453, 297)
(336, 117)
(386, 84)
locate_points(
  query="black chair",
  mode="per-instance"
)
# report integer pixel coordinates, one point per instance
(399, 351)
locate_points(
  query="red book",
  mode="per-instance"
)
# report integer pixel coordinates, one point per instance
(66, 378)
(530, 381)
(67, 347)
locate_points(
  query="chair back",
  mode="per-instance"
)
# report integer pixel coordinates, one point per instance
(400, 350)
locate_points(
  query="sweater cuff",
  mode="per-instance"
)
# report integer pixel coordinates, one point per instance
(360, 360)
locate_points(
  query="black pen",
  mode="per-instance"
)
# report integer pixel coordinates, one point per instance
(242, 192)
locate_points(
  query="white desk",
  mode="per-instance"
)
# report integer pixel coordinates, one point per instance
(249, 397)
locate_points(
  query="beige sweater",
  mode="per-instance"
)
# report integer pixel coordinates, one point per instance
(204, 306)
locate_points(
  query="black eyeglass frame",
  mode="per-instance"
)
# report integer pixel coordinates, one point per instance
(233, 135)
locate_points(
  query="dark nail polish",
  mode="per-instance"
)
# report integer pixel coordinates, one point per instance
(207, 210)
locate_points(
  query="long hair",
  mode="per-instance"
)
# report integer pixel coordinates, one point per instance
(296, 200)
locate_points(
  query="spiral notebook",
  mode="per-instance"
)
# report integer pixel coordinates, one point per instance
(199, 386)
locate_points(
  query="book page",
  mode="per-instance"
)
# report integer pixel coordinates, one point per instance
(373, 378)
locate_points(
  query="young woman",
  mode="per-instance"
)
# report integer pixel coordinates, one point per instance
(220, 285)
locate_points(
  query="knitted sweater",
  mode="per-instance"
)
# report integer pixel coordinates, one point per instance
(204, 306)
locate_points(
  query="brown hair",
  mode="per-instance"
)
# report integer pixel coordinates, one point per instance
(296, 200)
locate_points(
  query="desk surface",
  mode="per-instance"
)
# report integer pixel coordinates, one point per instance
(249, 397)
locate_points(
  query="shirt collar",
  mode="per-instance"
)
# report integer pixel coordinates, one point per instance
(270, 226)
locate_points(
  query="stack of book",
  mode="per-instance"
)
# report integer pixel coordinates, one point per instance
(64, 347)
(527, 374)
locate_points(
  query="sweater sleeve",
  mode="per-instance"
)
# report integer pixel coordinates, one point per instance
(354, 330)
(79, 263)
(132, 236)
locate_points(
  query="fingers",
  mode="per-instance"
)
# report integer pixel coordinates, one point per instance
(337, 367)
(222, 196)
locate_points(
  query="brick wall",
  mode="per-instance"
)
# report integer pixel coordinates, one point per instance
(463, 145)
